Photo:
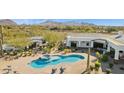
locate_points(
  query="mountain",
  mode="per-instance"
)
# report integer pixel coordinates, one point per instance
(78, 24)
(51, 23)
(7, 22)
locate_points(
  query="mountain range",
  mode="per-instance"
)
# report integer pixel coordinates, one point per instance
(69, 23)
(7, 22)
(58, 22)
(48, 22)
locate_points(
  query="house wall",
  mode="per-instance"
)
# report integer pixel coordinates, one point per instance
(86, 44)
(82, 42)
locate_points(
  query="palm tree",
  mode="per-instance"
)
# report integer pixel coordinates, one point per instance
(88, 57)
(88, 60)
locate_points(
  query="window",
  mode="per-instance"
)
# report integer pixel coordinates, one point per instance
(87, 44)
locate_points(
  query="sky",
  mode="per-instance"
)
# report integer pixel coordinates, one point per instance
(108, 22)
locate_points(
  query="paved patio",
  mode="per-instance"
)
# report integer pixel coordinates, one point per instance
(116, 68)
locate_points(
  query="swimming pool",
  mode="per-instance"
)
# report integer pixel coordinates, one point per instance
(53, 60)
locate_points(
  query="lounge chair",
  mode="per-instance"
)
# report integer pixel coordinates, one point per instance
(62, 70)
(53, 70)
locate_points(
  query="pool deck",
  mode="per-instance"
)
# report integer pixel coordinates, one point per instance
(21, 66)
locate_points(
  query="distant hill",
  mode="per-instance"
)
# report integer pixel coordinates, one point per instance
(51, 23)
(7, 22)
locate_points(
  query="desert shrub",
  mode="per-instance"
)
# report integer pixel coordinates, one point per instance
(73, 49)
(19, 54)
(12, 53)
(61, 48)
(104, 58)
(19, 36)
(97, 65)
(47, 49)
(67, 50)
(24, 54)
(111, 65)
(28, 53)
(108, 53)
(108, 71)
(16, 57)
(98, 55)
(5, 54)
(91, 67)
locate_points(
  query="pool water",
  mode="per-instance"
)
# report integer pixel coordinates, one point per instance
(53, 60)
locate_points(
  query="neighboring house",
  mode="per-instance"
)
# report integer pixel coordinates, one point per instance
(96, 40)
(37, 40)
(7, 47)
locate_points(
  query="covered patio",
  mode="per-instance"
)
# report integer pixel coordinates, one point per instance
(94, 40)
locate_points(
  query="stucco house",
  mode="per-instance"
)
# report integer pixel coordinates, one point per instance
(108, 42)
(7, 47)
(38, 40)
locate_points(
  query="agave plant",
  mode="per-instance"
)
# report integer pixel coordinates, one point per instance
(97, 65)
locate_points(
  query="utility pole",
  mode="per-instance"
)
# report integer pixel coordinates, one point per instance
(1, 41)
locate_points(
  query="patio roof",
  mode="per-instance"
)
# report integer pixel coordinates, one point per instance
(110, 38)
